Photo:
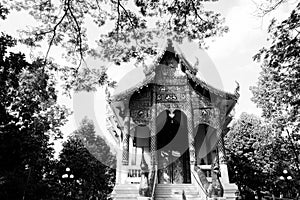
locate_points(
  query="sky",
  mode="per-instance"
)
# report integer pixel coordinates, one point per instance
(231, 54)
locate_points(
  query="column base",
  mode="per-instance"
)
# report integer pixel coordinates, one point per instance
(122, 174)
(230, 189)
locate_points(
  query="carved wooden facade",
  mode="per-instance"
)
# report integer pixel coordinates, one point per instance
(171, 85)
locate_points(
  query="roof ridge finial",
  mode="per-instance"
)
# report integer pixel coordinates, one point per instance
(170, 46)
(237, 89)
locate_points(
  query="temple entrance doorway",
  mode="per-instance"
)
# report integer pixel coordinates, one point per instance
(173, 148)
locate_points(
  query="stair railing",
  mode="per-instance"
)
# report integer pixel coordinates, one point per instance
(200, 184)
(154, 182)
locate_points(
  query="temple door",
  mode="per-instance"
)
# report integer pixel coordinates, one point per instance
(173, 153)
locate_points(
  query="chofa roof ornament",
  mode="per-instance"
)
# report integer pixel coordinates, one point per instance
(191, 64)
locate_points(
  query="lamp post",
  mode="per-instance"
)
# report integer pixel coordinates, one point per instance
(68, 177)
(286, 177)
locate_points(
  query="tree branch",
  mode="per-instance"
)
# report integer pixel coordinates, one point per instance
(129, 18)
(265, 11)
(78, 35)
(98, 5)
(118, 22)
(196, 12)
(54, 34)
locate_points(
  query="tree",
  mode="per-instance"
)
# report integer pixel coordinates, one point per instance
(277, 92)
(127, 30)
(248, 144)
(87, 156)
(30, 116)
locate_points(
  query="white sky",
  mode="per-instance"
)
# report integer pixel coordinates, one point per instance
(232, 55)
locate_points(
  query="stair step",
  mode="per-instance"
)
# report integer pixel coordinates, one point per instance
(125, 192)
(128, 186)
(176, 185)
(174, 192)
(165, 193)
(162, 192)
(177, 198)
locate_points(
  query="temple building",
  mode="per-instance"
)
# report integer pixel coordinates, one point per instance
(170, 128)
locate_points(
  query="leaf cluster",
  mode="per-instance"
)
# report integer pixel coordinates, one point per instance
(30, 116)
(128, 30)
(277, 91)
(249, 145)
(277, 94)
(90, 160)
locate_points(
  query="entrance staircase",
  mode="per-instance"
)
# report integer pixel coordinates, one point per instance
(162, 192)
(125, 192)
(177, 192)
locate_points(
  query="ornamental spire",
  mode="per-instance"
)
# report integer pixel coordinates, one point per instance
(237, 89)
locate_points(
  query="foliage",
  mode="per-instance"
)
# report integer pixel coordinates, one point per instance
(63, 22)
(248, 145)
(127, 29)
(30, 116)
(277, 91)
(87, 154)
(3, 12)
(264, 7)
(84, 80)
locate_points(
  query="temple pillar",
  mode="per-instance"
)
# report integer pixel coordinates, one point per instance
(190, 127)
(153, 130)
(153, 142)
(125, 143)
(221, 148)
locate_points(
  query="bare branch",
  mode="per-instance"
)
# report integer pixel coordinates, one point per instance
(118, 22)
(129, 18)
(196, 12)
(54, 33)
(98, 5)
(264, 11)
(168, 23)
(77, 29)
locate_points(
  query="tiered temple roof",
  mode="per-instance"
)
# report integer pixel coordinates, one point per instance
(144, 75)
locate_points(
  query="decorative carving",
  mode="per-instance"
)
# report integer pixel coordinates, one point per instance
(200, 101)
(207, 115)
(171, 93)
(221, 147)
(140, 106)
(153, 139)
(126, 130)
(141, 116)
(171, 107)
(190, 127)
(171, 84)
(215, 189)
(171, 97)
(121, 112)
(144, 189)
(168, 72)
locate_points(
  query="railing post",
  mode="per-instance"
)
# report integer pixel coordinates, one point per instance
(144, 189)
